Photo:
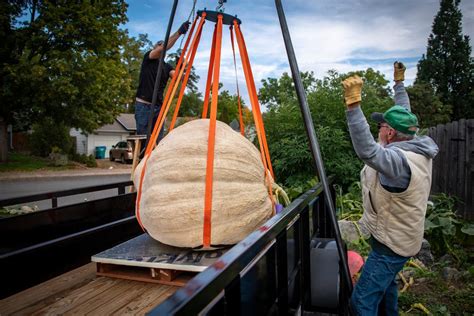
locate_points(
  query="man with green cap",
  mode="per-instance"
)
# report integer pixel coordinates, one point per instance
(396, 182)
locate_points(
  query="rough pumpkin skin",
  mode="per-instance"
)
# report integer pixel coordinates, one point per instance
(172, 200)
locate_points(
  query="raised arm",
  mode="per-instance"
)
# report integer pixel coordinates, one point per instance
(401, 95)
(156, 52)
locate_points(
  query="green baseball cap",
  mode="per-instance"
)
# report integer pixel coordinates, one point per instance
(399, 118)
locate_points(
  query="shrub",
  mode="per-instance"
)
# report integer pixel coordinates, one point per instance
(48, 135)
(89, 161)
(444, 229)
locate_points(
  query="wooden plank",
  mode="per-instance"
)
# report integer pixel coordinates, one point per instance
(43, 294)
(94, 289)
(152, 296)
(453, 158)
(470, 169)
(159, 300)
(143, 274)
(439, 133)
(115, 298)
(442, 153)
(462, 174)
(434, 183)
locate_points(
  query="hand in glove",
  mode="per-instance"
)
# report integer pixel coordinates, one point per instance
(398, 71)
(352, 89)
(184, 28)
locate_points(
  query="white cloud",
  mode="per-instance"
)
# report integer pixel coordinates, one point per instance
(341, 35)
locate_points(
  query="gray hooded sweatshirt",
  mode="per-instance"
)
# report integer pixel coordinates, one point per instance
(394, 170)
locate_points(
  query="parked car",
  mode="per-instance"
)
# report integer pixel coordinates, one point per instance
(122, 151)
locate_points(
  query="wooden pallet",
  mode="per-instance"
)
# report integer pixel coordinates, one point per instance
(147, 260)
(145, 274)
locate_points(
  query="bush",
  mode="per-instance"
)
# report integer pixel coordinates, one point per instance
(48, 135)
(89, 161)
(444, 229)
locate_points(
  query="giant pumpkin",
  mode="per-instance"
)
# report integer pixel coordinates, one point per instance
(172, 193)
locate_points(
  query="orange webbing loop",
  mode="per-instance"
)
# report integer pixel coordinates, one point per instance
(154, 135)
(205, 104)
(241, 121)
(189, 64)
(256, 111)
(253, 96)
(212, 137)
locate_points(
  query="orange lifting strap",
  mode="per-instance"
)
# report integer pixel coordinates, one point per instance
(241, 120)
(211, 84)
(161, 116)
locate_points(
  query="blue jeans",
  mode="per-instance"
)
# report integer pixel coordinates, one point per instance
(377, 285)
(142, 115)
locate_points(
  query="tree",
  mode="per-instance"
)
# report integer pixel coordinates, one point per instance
(193, 79)
(448, 65)
(68, 68)
(281, 91)
(427, 106)
(132, 56)
(286, 135)
(9, 11)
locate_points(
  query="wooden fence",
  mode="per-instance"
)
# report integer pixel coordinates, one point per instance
(453, 171)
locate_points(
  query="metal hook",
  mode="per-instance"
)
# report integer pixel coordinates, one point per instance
(220, 7)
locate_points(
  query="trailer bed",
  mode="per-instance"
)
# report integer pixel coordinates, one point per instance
(80, 291)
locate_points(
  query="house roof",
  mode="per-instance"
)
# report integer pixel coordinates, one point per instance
(128, 121)
(123, 122)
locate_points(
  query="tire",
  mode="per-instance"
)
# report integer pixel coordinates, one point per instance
(122, 159)
(111, 158)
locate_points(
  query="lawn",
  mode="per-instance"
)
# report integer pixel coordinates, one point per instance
(24, 162)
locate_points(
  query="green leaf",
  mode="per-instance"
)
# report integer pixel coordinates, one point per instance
(468, 229)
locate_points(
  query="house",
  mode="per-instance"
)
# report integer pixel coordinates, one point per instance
(107, 135)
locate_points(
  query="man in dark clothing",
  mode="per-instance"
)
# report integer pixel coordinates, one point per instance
(147, 79)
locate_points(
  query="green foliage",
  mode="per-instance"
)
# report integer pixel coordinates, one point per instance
(444, 229)
(349, 205)
(286, 134)
(282, 91)
(67, 65)
(193, 79)
(427, 106)
(133, 50)
(88, 160)
(48, 135)
(300, 186)
(448, 65)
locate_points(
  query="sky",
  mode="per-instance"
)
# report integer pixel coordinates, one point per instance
(342, 35)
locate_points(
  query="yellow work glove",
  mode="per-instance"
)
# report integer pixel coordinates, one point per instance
(352, 89)
(398, 71)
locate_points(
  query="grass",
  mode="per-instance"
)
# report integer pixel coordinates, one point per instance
(24, 162)
(440, 297)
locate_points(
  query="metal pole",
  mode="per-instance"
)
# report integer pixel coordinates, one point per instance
(160, 70)
(313, 140)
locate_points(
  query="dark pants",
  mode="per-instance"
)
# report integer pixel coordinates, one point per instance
(142, 115)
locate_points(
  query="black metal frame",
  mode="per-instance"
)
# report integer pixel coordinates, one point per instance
(218, 289)
(266, 273)
(37, 246)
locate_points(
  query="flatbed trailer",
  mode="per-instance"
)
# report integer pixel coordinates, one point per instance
(284, 267)
(46, 262)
